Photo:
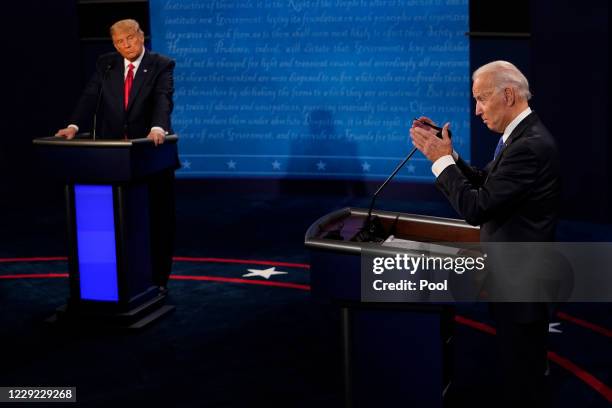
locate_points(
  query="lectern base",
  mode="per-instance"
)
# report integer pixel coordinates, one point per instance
(133, 319)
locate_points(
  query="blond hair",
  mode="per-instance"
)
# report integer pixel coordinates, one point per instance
(125, 25)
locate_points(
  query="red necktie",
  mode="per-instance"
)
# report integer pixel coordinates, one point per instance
(129, 79)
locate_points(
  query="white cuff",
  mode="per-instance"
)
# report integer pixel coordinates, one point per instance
(74, 126)
(443, 162)
(159, 128)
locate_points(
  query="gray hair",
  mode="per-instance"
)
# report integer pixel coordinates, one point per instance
(504, 75)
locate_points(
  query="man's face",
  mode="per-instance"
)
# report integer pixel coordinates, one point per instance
(491, 103)
(129, 43)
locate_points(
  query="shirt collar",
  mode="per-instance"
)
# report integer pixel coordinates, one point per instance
(512, 125)
(136, 63)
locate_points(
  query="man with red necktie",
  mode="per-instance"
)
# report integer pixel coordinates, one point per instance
(136, 90)
(131, 94)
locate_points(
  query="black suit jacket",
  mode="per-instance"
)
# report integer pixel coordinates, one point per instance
(150, 102)
(515, 198)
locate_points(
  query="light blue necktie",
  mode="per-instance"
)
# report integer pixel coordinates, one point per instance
(499, 148)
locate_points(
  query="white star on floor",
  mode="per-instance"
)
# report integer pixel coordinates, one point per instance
(321, 165)
(552, 328)
(264, 273)
(231, 164)
(186, 164)
(365, 166)
(276, 165)
(411, 168)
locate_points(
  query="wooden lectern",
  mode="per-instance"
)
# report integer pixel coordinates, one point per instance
(394, 354)
(111, 282)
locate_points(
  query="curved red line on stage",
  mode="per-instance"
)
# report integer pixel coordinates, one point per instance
(176, 259)
(34, 276)
(34, 259)
(241, 261)
(582, 374)
(585, 376)
(476, 325)
(592, 326)
(239, 280)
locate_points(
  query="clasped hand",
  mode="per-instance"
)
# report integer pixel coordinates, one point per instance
(424, 138)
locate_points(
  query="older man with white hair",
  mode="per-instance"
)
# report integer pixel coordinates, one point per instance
(515, 198)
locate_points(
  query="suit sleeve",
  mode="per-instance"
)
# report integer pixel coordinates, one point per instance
(478, 203)
(162, 94)
(476, 176)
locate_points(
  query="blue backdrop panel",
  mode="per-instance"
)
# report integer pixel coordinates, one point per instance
(313, 88)
(95, 225)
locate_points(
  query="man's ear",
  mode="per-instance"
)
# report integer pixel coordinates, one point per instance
(509, 96)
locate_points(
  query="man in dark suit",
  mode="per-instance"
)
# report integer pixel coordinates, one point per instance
(515, 198)
(131, 91)
(136, 88)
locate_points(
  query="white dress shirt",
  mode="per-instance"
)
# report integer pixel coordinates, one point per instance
(136, 64)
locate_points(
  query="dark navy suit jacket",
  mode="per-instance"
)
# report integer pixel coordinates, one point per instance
(150, 102)
(515, 198)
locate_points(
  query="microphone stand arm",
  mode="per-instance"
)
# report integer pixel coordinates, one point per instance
(397, 169)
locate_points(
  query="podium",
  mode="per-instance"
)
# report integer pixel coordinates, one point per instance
(108, 224)
(394, 354)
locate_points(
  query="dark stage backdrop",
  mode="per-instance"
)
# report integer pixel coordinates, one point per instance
(564, 53)
(571, 83)
(41, 79)
(313, 89)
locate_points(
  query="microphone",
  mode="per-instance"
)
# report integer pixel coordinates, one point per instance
(95, 116)
(372, 227)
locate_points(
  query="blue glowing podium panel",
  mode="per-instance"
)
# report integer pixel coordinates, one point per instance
(96, 245)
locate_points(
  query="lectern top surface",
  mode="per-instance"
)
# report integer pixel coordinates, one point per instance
(87, 142)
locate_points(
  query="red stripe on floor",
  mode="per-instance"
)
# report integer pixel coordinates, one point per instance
(177, 259)
(591, 381)
(34, 276)
(34, 259)
(475, 325)
(583, 375)
(241, 261)
(592, 326)
(239, 280)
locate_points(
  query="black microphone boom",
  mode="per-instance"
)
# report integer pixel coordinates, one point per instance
(373, 227)
(95, 116)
